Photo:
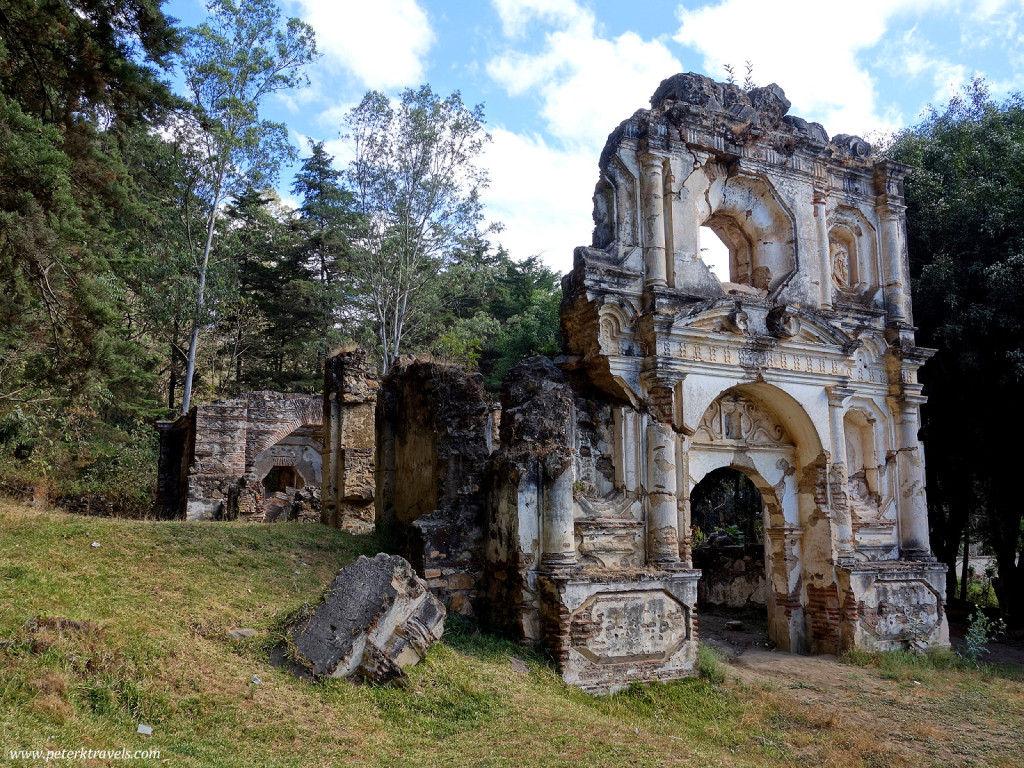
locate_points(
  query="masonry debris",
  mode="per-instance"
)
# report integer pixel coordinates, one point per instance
(377, 617)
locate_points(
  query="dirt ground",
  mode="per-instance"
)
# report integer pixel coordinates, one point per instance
(915, 722)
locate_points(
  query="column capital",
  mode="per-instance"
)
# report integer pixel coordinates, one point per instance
(839, 393)
(651, 160)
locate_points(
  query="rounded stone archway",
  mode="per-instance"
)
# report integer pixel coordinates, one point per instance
(763, 433)
(727, 525)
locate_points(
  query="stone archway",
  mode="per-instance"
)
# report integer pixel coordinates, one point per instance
(727, 525)
(762, 432)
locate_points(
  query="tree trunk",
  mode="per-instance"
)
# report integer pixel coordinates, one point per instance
(193, 345)
(966, 569)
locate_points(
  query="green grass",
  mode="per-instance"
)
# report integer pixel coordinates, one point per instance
(95, 640)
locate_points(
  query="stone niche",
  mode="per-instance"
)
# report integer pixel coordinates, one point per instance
(248, 456)
(798, 369)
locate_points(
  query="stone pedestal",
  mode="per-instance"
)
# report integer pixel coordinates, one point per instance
(609, 629)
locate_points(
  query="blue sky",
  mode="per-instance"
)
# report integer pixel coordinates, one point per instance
(556, 76)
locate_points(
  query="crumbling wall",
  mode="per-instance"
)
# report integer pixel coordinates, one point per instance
(732, 576)
(208, 456)
(532, 464)
(349, 405)
(434, 437)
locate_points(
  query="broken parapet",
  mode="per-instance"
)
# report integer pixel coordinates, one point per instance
(377, 618)
(434, 436)
(350, 401)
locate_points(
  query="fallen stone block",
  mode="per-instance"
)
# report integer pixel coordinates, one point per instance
(377, 618)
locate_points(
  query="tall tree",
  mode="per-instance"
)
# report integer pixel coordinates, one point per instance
(241, 55)
(416, 183)
(326, 223)
(76, 78)
(966, 241)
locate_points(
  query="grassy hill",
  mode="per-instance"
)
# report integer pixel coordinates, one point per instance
(97, 639)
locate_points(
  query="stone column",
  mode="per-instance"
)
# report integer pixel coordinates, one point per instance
(913, 507)
(662, 511)
(893, 258)
(558, 537)
(652, 192)
(890, 210)
(683, 502)
(824, 250)
(839, 474)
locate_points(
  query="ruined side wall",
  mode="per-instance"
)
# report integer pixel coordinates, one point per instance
(434, 435)
(530, 470)
(218, 457)
(177, 444)
(349, 408)
(207, 456)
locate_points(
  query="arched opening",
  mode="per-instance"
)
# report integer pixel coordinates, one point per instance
(286, 468)
(715, 254)
(280, 479)
(727, 519)
(749, 219)
(764, 433)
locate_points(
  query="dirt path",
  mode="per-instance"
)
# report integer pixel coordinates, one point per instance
(914, 722)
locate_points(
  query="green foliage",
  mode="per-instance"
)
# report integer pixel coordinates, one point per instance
(78, 86)
(241, 56)
(981, 630)
(415, 183)
(966, 244)
(711, 662)
(726, 501)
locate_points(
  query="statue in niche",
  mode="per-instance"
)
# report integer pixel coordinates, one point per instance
(840, 265)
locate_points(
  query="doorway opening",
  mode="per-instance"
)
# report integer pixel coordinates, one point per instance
(727, 514)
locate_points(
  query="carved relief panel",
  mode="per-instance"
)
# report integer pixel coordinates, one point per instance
(734, 418)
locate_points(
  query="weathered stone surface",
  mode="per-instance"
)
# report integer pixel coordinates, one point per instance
(434, 437)
(732, 576)
(797, 366)
(377, 618)
(350, 403)
(214, 459)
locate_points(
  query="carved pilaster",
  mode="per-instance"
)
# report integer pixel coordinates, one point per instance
(652, 192)
(913, 507)
(824, 257)
(558, 533)
(662, 511)
(839, 473)
(891, 210)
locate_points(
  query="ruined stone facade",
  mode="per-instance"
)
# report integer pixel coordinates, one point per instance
(799, 370)
(435, 433)
(215, 460)
(349, 407)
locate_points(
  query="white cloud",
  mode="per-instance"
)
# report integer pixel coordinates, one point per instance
(809, 48)
(913, 57)
(516, 14)
(542, 188)
(587, 84)
(383, 43)
(542, 195)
